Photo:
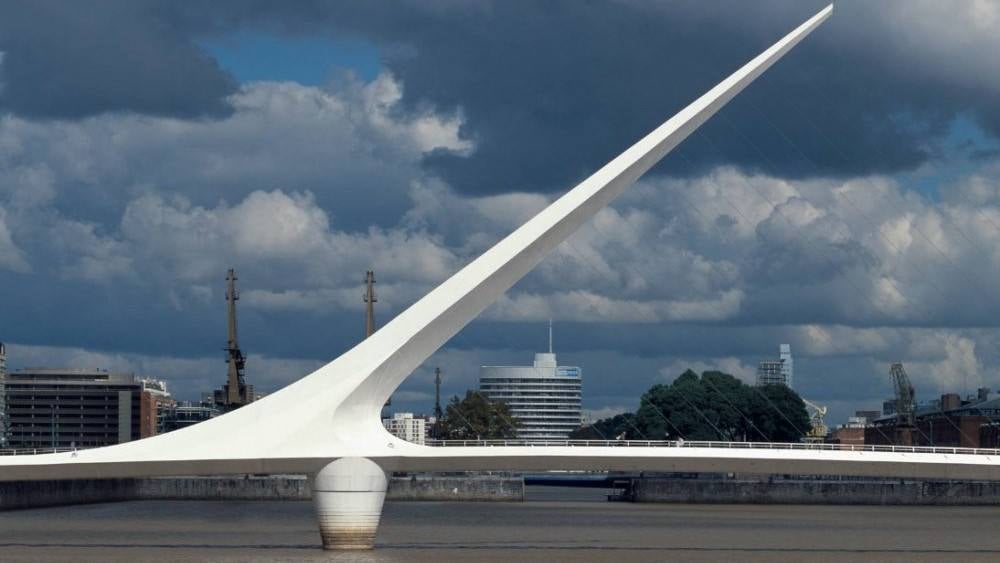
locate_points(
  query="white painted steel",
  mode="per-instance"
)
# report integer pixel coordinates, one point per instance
(348, 496)
(334, 412)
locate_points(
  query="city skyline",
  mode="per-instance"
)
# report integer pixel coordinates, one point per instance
(124, 201)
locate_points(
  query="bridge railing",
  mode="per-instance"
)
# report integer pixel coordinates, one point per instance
(35, 451)
(709, 444)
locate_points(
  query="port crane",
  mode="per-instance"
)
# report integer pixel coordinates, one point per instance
(818, 431)
(905, 404)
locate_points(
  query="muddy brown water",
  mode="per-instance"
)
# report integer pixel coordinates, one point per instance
(554, 525)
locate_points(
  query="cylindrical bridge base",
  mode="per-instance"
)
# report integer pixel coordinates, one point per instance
(348, 495)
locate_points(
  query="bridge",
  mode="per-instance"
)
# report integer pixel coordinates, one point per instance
(327, 424)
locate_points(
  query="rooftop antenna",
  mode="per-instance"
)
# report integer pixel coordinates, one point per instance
(550, 336)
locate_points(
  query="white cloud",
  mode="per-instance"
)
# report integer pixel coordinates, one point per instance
(428, 131)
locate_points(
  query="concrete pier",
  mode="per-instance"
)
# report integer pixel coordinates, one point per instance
(347, 495)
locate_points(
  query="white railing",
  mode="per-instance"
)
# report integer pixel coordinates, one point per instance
(705, 444)
(35, 451)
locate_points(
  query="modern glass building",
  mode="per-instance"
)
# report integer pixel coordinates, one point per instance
(544, 397)
(777, 372)
(787, 364)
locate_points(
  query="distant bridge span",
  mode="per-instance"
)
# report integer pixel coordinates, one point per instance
(327, 423)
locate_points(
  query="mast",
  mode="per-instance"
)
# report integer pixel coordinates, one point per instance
(369, 303)
(3, 395)
(438, 413)
(370, 300)
(235, 381)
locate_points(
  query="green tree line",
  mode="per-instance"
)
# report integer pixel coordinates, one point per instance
(714, 406)
(475, 417)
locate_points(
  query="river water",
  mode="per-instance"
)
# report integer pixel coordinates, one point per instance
(554, 525)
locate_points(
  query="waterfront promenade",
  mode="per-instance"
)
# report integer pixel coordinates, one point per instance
(554, 525)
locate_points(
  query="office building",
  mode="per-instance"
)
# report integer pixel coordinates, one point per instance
(405, 426)
(544, 397)
(777, 372)
(73, 407)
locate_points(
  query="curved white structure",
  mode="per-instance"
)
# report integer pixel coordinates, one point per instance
(333, 413)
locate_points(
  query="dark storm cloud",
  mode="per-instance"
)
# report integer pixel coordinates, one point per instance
(549, 91)
(77, 59)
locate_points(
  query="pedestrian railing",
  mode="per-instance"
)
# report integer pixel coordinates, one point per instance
(35, 451)
(707, 444)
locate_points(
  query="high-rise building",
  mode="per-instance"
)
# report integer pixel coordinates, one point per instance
(769, 373)
(787, 367)
(72, 407)
(405, 426)
(777, 372)
(544, 397)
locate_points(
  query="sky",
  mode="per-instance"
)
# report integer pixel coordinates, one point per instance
(846, 203)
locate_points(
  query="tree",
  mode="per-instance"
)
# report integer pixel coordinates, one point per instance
(608, 429)
(779, 413)
(476, 418)
(718, 406)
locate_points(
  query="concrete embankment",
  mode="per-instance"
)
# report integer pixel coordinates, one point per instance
(847, 492)
(33, 494)
(479, 488)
